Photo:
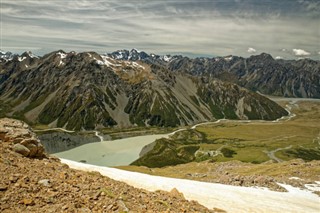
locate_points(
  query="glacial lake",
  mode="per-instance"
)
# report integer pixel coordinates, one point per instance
(119, 152)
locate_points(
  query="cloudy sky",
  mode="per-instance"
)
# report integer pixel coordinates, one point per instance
(283, 28)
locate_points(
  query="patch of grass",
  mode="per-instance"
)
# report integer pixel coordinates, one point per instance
(167, 205)
(228, 153)
(167, 152)
(246, 142)
(304, 153)
(108, 193)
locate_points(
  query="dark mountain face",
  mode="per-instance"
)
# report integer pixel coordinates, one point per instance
(87, 91)
(258, 73)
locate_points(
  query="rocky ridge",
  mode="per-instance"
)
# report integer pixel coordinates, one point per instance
(46, 185)
(263, 73)
(81, 91)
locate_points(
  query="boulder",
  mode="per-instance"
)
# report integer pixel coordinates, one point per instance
(20, 137)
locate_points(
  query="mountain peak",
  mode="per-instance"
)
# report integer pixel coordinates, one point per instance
(135, 50)
(6, 56)
(263, 56)
(29, 54)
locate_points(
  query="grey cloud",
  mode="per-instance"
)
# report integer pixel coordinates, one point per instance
(214, 28)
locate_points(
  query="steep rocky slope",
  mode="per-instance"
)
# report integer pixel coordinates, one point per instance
(87, 91)
(46, 185)
(291, 78)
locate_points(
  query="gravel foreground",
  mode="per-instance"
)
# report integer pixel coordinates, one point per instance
(33, 185)
(32, 181)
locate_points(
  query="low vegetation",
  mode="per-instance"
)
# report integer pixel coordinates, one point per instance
(253, 142)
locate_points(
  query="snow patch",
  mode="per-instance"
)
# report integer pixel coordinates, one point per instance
(295, 178)
(119, 55)
(229, 198)
(31, 55)
(228, 58)
(21, 58)
(166, 58)
(135, 64)
(62, 55)
(61, 63)
(315, 187)
(106, 61)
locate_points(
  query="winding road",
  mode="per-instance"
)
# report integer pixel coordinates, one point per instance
(61, 129)
(273, 157)
(99, 136)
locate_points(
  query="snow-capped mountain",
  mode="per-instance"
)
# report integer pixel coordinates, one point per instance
(136, 55)
(6, 56)
(88, 90)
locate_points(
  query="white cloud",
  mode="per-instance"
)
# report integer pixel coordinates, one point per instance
(251, 50)
(278, 57)
(284, 50)
(319, 52)
(300, 52)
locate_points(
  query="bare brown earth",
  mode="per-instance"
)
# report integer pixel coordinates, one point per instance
(46, 185)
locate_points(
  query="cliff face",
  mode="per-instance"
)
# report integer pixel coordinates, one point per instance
(86, 91)
(61, 141)
(46, 185)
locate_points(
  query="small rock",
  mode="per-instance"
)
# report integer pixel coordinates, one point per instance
(3, 188)
(64, 175)
(123, 206)
(21, 149)
(65, 207)
(109, 207)
(114, 208)
(237, 178)
(13, 179)
(97, 195)
(27, 202)
(175, 193)
(44, 182)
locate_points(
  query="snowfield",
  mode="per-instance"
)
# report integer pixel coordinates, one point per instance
(226, 197)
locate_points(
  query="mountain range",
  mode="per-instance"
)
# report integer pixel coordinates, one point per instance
(126, 88)
(263, 73)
